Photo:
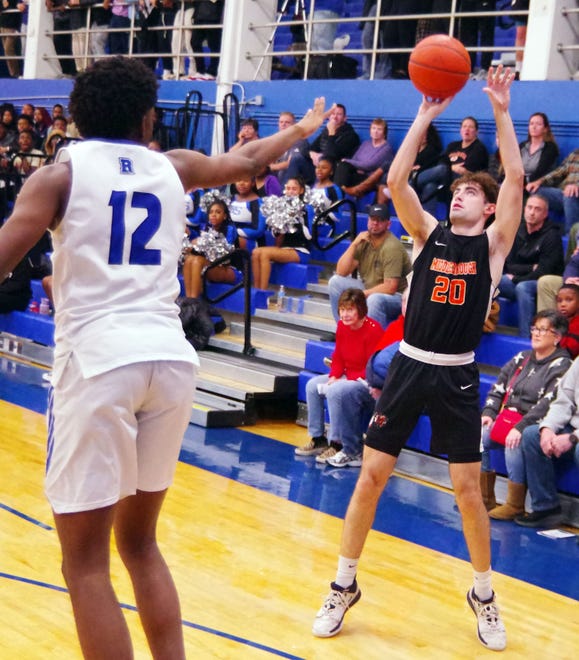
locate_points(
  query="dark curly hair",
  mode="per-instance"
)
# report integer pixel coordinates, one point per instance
(110, 98)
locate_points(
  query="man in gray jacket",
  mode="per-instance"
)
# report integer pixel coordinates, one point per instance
(554, 438)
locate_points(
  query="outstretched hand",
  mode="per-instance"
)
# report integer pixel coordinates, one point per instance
(498, 86)
(315, 116)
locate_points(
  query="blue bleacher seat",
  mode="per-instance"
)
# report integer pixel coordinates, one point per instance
(296, 276)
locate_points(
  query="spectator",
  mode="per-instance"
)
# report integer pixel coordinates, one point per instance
(42, 123)
(248, 131)
(298, 154)
(119, 41)
(58, 111)
(382, 264)
(372, 155)
(477, 31)
(28, 159)
(25, 122)
(554, 439)
(539, 151)
(245, 210)
(8, 139)
(325, 180)
(568, 306)
(181, 41)
(467, 154)
(537, 251)
(62, 37)
(196, 262)
(430, 174)
(401, 34)
(206, 13)
(54, 141)
(100, 22)
(527, 384)
(382, 68)
(520, 33)
(156, 22)
(561, 189)
(338, 139)
(289, 247)
(266, 183)
(10, 23)
(350, 404)
(78, 17)
(59, 124)
(549, 285)
(323, 34)
(9, 117)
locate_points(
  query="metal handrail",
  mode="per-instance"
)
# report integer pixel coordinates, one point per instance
(244, 284)
(325, 218)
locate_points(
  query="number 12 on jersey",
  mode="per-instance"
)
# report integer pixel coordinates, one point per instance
(139, 254)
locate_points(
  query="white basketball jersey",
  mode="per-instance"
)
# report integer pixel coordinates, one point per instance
(115, 258)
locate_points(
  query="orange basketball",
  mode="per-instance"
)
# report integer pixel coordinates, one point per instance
(439, 66)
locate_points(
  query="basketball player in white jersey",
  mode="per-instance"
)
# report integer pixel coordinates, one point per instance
(124, 375)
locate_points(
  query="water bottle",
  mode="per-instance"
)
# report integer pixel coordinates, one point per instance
(281, 299)
(44, 306)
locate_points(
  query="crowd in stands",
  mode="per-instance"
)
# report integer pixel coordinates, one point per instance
(181, 39)
(313, 175)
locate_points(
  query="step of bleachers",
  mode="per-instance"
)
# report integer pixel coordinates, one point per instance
(296, 276)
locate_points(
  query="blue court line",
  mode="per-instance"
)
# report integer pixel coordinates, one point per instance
(25, 517)
(187, 624)
(407, 510)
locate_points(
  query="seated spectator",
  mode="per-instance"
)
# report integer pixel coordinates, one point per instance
(28, 159)
(561, 189)
(290, 247)
(549, 285)
(537, 251)
(266, 183)
(8, 139)
(195, 264)
(325, 180)
(468, 154)
(350, 404)
(372, 155)
(568, 306)
(248, 132)
(338, 139)
(25, 123)
(554, 439)
(539, 152)
(527, 383)
(245, 210)
(430, 174)
(382, 264)
(299, 153)
(42, 123)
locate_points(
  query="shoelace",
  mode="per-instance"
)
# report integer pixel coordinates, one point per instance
(335, 599)
(491, 614)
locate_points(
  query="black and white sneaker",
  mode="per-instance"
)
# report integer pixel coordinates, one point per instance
(329, 619)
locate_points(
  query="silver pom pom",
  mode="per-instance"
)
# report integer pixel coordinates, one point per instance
(213, 196)
(212, 245)
(283, 215)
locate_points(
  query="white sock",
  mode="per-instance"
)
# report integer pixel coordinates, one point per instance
(482, 585)
(346, 574)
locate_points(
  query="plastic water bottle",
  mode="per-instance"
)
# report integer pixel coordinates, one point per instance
(44, 306)
(281, 299)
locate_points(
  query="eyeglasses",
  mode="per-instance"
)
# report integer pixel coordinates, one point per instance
(540, 331)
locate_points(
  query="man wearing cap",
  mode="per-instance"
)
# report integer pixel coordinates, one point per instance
(382, 264)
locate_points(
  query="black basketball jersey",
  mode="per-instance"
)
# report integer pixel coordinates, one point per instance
(449, 294)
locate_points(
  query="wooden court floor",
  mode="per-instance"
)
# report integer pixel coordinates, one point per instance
(252, 558)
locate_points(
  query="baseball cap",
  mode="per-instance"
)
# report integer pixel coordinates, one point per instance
(378, 211)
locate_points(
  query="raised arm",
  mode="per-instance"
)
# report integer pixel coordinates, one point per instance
(417, 222)
(510, 199)
(197, 170)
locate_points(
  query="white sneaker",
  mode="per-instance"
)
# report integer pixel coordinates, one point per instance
(341, 459)
(168, 75)
(329, 619)
(341, 42)
(327, 453)
(490, 628)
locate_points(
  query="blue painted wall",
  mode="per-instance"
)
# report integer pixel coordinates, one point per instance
(395, 100)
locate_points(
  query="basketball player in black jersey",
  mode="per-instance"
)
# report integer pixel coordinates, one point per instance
(455, 273)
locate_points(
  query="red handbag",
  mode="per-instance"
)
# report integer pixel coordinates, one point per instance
(504, 422)
(507, 417)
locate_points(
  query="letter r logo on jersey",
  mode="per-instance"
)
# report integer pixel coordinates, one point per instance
(126, 165)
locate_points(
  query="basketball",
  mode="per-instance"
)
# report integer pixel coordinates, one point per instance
(439, 66)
